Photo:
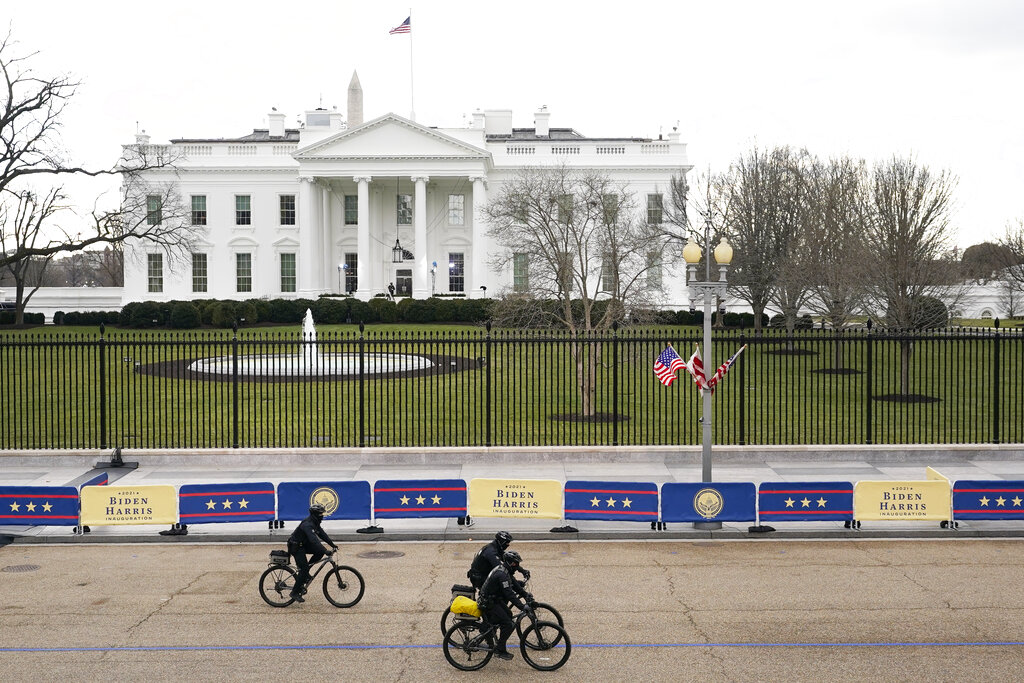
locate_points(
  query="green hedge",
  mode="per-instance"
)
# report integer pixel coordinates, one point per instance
(7, 318)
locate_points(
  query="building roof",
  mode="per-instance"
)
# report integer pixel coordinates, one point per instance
(530, 135)
(257, 135)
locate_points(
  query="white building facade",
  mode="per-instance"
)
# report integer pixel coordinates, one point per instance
(297, 213)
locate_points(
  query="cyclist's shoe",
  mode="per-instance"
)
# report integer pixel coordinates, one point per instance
(504, 654)
(297, 597)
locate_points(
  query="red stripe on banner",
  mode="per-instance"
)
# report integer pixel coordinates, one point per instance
(407, 509)
(227, 514)
(989, 511)
(643, 493)
(38, 495)
(224, 493)
(1017, 490)
(805, 512)
(614, 512)
(38, 516)
(799, 491)
(453, 488)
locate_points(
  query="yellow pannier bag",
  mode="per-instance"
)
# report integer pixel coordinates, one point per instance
(463, 605)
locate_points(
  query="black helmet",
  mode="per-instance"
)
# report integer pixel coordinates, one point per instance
(512, 558)
(317, 509)
(503, 538)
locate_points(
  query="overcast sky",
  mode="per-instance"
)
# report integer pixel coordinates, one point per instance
(940, 79)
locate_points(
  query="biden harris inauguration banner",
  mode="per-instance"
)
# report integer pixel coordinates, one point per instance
(708, 502)
(621, 501)
(114, 505)
(207, 503)
(805, 501)
(521, 498)
(38, 506)
(902, 500)
(341, 499)
(395, 498)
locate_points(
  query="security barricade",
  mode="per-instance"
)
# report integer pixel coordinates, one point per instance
(210, 503)
(988, 499)
(708, 502)
(618, 501)
(341, 499)
(119, 505)
(901, 501)
(39, 505)
(805, 501)
(397, 498)
(518, 498)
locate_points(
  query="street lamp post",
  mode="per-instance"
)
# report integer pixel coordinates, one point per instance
(710, 289)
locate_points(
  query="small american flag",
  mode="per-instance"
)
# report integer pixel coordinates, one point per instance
(667, 365)
(723, 368)
(404, 27)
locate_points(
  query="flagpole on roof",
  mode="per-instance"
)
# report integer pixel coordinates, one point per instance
(412, 89)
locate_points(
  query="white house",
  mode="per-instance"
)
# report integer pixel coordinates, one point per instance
(320, 209)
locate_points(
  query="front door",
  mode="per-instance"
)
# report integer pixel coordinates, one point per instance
(403, 282)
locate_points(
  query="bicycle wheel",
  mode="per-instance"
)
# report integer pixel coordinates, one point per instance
(541, 639)
(343, 586)
(460, 649)
(446, 620)
(276, 585)
(553, 656)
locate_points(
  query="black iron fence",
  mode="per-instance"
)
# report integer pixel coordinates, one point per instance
(505, 388)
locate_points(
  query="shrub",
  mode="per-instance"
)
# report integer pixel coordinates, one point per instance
(141, 314)
(928, 312)
(330, 311)
(223, 314)
(184, 315)
(383, 310)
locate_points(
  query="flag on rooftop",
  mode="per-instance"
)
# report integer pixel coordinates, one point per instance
(667, 364)
(404, 27)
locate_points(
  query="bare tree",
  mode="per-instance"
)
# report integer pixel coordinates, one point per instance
(1012, 266)
(794, 216)
(23, 217)
(907, 245)
(581, 252)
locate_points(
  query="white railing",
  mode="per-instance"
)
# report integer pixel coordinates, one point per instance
(514, 151)
(284, 150)
(241, 150)
(565, 150)
(611, 150)
(658, 148)
(197, 150)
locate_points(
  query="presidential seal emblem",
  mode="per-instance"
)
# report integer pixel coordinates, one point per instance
(708, 503)
(327, 497)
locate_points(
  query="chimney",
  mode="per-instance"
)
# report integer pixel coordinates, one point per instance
(478, 120)
(337, 122)
(141, 138)
(275, 123)
(498, 122)
(355, 102)
(541, 122)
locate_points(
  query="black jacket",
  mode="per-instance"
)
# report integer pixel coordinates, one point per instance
(486, 559)
(306, 536)
(500, 589)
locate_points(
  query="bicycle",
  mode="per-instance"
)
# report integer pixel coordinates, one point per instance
(542, 610)
(470, 643)
(341, 583)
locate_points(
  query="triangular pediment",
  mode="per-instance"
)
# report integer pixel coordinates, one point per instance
(389, 137)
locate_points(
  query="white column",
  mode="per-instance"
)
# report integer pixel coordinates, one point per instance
(307, 241)
(477, 275)
(328, 264)
(365, 290)
(421, 272)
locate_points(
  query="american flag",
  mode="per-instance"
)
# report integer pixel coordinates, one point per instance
(696, 368)
(404, 27)
(722, 369)
(667, 365)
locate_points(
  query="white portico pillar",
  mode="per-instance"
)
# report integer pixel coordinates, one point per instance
(421, 273)
(365, 284)
(478, 272)
(307, 238)
(327, 281)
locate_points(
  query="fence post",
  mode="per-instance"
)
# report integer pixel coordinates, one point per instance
(995, 383)
(362, 386)
(234, 385)
(743, 394)
(868, 379)
(103, 387)
(487, 386)
(615, 383)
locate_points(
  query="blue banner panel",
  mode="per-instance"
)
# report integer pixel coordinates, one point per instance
(101, 479)
(394, 498)
(622, 501)
(207, 503)
(708, 502)
(39, 505)
(341, 499)
(988, 499)
(781, 501)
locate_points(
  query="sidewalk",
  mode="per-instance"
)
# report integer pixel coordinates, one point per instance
(623, 466)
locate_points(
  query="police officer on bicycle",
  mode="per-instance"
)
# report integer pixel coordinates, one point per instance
(489, 557)
(306, 539)
(499, 589)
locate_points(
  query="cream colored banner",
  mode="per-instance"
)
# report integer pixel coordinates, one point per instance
(902, 500)
(111, 505)
(520, 498)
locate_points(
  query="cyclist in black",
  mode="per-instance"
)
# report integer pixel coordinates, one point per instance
(498, 590)
(489, 557)
(306, 539)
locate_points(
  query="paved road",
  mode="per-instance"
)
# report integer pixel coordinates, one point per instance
(682, 610)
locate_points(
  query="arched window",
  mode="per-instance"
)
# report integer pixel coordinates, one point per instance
(986, 313)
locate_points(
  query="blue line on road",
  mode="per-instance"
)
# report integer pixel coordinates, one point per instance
(218, 648)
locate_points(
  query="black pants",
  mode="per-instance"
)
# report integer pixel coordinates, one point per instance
(303, 563)
(501, 617)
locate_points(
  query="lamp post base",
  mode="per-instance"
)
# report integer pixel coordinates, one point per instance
(707, 526)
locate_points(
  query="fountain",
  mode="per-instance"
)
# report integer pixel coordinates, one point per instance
(310, 362)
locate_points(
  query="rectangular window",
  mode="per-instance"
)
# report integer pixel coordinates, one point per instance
(404, 209)
(456, 272)
(199, 210)
(287, 209)
(520, 272)
(155, 271)
(607, 275)
(287, 272)
(610, 206)
(351, 272)
(243, 272)
(199, 281)
(243, 209)
(564, 206)
(154, 209)
(654, 209)
(351, 209)
(654, 270)
(456, 209)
